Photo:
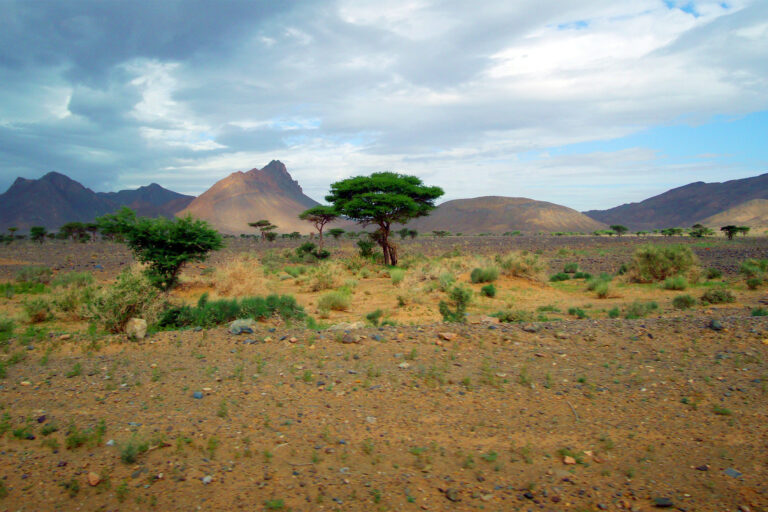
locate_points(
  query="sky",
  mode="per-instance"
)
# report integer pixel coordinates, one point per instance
(585, 103)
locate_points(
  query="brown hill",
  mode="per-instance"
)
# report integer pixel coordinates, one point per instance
(494, 214)
(686, 205)
(242, 197)
(56, 199)
(752, 213)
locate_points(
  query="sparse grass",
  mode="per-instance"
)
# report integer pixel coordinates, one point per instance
(639, 309)
(521, 264)
(655, 263)
(684, 301)
(396, 275)
(484, 275)
(678, 283)
(335, 301)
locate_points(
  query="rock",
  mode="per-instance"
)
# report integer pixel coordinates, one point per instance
(345, 326)
(569, 460)
(350, 338)
(662, 502)
(447, 336)
(136, 328)
(197, 394)
(292, 340)
(25, 383)
(65, 337)
(531, 328)
(452, 495)
(732, 473)
(715, 325)
(242, 326)
(207, 479)
(561, 335)
(93, 479)
(404, 365)
(111, 442)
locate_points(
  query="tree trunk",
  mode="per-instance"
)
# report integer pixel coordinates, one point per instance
(320, 242)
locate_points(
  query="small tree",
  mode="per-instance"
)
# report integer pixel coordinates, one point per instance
(403, 233)
(700, 231)
(165, 244)
(743, 230)
(383, 199)
(729, 231)
(264, 226)
(270, 236)
(619, 229)
(413, 233)
(93, 228)
(319, 216)
(13, 231)
(336, 233)
(74, 230)
(38, 233)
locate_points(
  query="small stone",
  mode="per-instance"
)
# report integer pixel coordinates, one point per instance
(370, 419)
(242, 326)
(715, 325)
(528, 495)
(197, 394)
(25, 383)
(732, 473)
(531, 328)
(93, 479)
(350, 338)
(561, 335)
(569, 460)
(447, 336)
(662, 502)
(65, 337)
(111, 442)
(404, 365)
(136, 328)
(292, 340)
(703, 467)
(452, 495)
(207, 479)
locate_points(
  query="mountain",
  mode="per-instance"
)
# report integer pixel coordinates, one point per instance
(242, 197)
(752, 213)
(56, 199)
(494, 214)
(686, 205)
(149, 201)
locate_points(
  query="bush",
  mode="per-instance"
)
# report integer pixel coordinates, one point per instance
(684, 301)
(374, 317)
(460, 299)
(484, 275)
(717, 297)
(512, 316)
(34, 274)
(365, 247)
(74, 301)
(396, 275)
(614, 313)
(560, 276)
(754, 282)
(595, 282)
(336, 301)
(653, 263)
(639, 309)
(38, 310)
(753, 268)
(217, 312)
(74, 279)
(760, 312)
(582, 275)
(678, 283)
(603, 289)
(133, 295)
(577, 312)
(714, 273)
(520, 264)
(571, 268)
(488, 291)
(7, 326)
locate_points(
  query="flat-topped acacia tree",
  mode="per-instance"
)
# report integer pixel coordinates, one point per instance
(319, 216)
(383, 199)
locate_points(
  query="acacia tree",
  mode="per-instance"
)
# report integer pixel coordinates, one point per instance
(729, 231)
(383, 199)
(264, 226)
(336, 233)
(319, 216)
(619, 229)
(164, 244)
(37, 233)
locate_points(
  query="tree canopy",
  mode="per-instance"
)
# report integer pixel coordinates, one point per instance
(319, 216)
(383, 199)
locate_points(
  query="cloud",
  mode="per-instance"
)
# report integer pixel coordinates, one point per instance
(479, 101)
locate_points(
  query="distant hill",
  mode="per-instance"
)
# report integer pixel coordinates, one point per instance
(56, 199)
(686, 205)
(242, 197)
(752, 213)
(494, 214)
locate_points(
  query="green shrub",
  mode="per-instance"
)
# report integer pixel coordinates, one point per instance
(295, 271)
(396, 275)
(684, 301)
(217, 312)
(34, 274)
(512, 316)
(603, 289)
(484, 275)
(488, 291)
(754, 282)
(460, 299)
(716, 296)
(639, 309)
(577, 312)
(445, 281)
(10, 289)
(74, 300)
(760, 312)
(560, 276)
(582, 275)
(130, 451)
(74, 279)
(614, 313)
(336, 301)
(365, 248)
(678, 283)
(132, 295)
(753, 268)
(374, 317)
(654, 263)
(38, 310)
(714, 273)
(571, 267)
(595, 282)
